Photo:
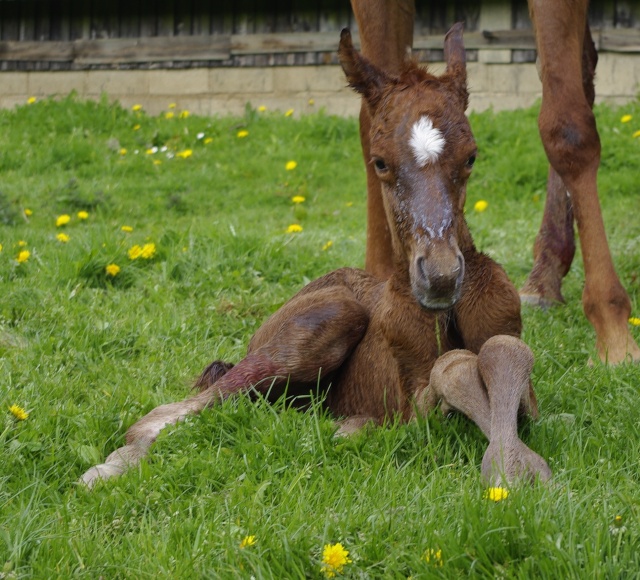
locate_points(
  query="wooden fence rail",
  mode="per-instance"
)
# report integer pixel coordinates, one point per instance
(224, 47)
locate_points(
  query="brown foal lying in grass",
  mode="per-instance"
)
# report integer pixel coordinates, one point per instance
(447, 312)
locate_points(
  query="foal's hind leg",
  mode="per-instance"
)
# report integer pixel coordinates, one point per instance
(310, 336)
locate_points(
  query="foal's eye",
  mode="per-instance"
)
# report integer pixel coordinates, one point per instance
(380, 164)
(471, 161)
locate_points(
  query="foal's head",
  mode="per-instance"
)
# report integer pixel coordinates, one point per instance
(423, 151)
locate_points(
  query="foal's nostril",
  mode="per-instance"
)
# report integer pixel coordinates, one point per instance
(422, 268)
(459, 268)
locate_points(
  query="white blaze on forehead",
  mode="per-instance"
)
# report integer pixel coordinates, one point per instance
(426, 141)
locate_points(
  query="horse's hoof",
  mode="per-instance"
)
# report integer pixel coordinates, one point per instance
(351, 425)
(538, 301)
(517, 462)
(103, 471)
(116, 464)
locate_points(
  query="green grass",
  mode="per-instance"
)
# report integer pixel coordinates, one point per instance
(87, 355)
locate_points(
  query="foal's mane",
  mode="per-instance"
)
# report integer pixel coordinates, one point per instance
(412, 73)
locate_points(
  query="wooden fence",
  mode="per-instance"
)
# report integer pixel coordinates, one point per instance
(90, 34)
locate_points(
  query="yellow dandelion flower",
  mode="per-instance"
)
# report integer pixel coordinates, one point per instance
(150, 151)
(433, 557)
(184, 114)
(242, 134)
(63, 220)
(327, 246)
(83, 215)
(134, 252)
(294, 229)
(148, 251)
(636, 134)
(157, 162)
(262, 108)
(18, 412)
(291, 165)
(334, 559)
(31, 100)
(127, 229)
(298, 199)
(626, 118)
(169, 115)
(136, 127)
(496, 493)
(480, 205)
(136, 108)
(27, 212)
(171, 106)
(184, 154)
(208, 140)
(349, 204)
(61, 237)
(21, 243)
(247, 541)
(288, 113)
(0, 247)
(23, 256)
(312, 102)
(122, 151)
(634, 321)
(112, 270)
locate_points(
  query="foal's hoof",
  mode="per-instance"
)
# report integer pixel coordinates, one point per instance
(352, 425)
(115, 464)
(507, 464)
(103, 471)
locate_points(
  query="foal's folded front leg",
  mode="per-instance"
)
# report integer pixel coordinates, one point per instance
(505, 364)
(311, 335)
(489, 388)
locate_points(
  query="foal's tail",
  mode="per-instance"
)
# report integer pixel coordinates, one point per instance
(144, 432)
(211, 374)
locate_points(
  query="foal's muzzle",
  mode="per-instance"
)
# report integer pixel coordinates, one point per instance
(437, 274)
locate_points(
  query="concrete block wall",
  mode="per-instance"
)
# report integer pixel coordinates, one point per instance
(221, 91)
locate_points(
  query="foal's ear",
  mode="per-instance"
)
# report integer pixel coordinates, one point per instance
(455, 57)
(363, 76)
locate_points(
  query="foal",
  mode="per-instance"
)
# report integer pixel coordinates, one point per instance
(369, 345)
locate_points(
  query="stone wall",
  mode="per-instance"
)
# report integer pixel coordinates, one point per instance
(221, 91)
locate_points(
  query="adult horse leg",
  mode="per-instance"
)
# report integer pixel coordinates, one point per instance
(310, 336)
(555, 246)
(553, 249)
(386, 33)
(571, 141)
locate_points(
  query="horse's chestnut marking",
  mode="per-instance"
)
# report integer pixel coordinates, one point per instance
(426, 141)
